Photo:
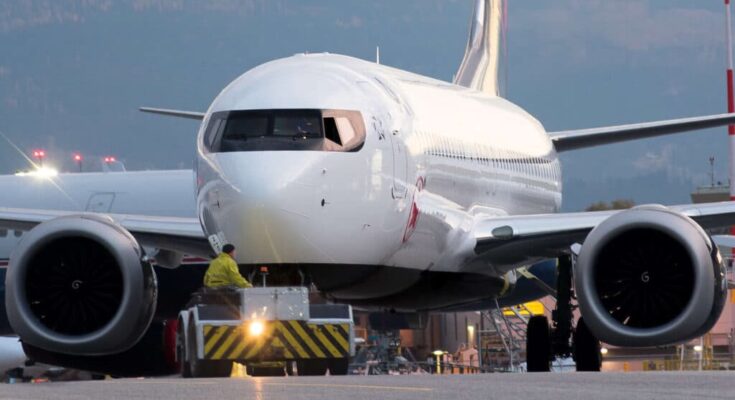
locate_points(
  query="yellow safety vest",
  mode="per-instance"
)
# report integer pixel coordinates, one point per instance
(223, 271)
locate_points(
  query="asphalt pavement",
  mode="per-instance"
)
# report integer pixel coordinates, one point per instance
(587, 386)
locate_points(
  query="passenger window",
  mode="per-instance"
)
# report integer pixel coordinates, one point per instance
(3, 232)
(17, 233)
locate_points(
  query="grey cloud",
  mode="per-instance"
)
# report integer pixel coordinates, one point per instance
(665, 161)
(656, 161)
(632, 25)
(350, 23)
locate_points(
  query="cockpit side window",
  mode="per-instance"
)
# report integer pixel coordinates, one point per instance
(213, 130)
(330, 130)
(349, 127)
(272, 130)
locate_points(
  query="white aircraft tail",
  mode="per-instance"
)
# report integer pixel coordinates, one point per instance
(480, 68)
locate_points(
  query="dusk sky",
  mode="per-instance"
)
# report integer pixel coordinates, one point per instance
(72, 74)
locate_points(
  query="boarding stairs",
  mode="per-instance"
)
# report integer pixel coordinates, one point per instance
(503, 339)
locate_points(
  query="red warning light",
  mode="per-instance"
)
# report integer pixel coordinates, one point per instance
(110, 159)
(78, 160)
(39, 153)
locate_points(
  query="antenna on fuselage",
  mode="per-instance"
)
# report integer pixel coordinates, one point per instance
(377, 54)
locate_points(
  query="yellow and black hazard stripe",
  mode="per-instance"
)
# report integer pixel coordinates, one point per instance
(280, 340)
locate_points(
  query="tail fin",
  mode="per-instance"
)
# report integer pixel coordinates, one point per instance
(480, 68)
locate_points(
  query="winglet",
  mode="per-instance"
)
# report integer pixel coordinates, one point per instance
(174, 113)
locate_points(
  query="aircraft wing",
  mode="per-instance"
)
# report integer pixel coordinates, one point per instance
(174, 113)
(524, 239)
(183, 235)
(583, 138)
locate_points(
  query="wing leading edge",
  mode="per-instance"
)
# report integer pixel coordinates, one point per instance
(183, 235)
(583, 138)
(174, 113)
(524, 239)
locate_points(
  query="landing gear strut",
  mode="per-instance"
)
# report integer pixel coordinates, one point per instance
(561, 340)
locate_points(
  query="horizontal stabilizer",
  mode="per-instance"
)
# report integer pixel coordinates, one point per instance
(583, 138)
(174, 113)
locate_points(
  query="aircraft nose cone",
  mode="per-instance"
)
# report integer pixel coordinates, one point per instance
(269, 206)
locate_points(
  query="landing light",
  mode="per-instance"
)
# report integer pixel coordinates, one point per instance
(256, 328)
(698, 348)
(603, 351)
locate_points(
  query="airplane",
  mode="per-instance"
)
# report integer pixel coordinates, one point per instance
(383, 189)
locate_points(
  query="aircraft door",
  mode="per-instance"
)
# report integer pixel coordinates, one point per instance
(100, 202)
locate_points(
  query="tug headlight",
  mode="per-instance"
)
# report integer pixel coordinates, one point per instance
(256, 328)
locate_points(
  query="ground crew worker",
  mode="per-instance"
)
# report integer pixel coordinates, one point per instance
(223, 272)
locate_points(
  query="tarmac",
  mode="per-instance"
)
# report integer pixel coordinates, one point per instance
(595, 386)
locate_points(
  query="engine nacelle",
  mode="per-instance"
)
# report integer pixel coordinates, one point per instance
(649, 276)
(80, 285)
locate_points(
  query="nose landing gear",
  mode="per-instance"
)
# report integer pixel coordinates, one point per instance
(544, 343)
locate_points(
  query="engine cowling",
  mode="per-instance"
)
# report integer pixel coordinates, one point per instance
(649, 276)
(80, 285)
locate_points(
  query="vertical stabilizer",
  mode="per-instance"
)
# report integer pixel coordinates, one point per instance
(481, 63)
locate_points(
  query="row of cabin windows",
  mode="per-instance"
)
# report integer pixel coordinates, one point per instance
(488, 156)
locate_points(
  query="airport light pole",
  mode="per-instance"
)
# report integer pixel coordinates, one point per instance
(730, 106)
(78, 161)
(39, 155)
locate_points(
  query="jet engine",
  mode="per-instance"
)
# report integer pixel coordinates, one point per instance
(80, 285)
(649, 276)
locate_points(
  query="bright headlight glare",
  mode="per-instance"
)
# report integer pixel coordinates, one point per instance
(256, 328)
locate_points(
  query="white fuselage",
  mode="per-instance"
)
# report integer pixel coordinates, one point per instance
(441, 152)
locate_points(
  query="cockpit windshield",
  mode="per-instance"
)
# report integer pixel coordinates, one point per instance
(264, 130)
